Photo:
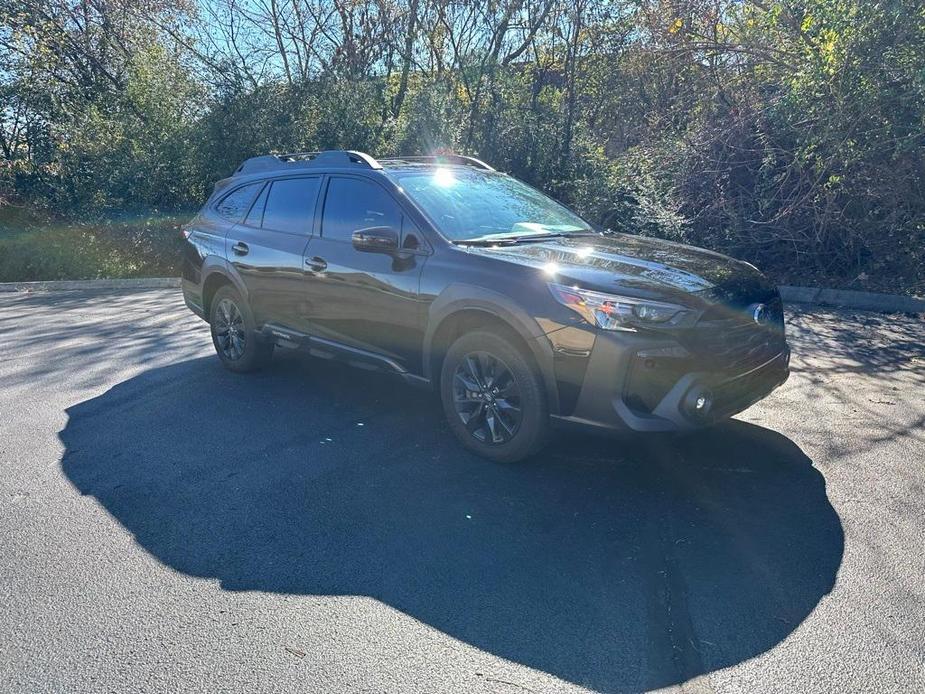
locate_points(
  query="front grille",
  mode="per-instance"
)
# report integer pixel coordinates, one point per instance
(730, 340)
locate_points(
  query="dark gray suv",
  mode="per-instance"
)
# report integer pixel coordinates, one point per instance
(454, 276)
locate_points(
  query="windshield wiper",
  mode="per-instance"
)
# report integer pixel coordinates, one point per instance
(486, 241)
(511, 240)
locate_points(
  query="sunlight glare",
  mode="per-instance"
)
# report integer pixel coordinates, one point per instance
(551, 268)
(444, 178)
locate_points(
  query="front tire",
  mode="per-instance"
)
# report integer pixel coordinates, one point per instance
(493, 398)
(234, 334)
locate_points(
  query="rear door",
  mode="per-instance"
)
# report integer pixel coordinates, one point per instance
(268, 246)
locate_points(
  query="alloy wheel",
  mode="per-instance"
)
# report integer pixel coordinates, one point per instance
(230, 330)
(487, 398)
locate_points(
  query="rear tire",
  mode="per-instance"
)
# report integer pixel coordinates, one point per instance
(493, 398)
(234, 334)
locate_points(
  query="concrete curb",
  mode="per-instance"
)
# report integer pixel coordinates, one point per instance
(64, 285)
(846, 298)
(841, 298)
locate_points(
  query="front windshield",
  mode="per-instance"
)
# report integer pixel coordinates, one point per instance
(473, 205)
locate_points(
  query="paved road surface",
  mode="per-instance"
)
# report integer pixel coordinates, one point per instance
(168, 526)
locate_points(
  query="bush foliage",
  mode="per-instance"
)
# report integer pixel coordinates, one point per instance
(791, 135)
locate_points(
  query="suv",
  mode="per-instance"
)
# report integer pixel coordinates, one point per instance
(455, 276)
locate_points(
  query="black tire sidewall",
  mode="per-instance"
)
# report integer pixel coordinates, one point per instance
(534, 426)
(255, 351)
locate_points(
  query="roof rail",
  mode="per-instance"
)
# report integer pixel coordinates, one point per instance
(300, 160)
(444, 159)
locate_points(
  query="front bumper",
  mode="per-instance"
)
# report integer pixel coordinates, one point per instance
(615, 396)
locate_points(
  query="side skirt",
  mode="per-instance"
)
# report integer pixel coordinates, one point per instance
(331, 349)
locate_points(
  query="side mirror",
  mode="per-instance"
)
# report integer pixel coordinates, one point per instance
(376, 240)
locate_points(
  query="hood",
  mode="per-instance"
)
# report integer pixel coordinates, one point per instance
(639, 266)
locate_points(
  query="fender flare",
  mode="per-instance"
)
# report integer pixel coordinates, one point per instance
(466, 297)
(215, 265)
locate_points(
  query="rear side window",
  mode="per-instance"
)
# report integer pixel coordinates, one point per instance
(233, 206)
(290, 205)
(352, 204)
(255, 216)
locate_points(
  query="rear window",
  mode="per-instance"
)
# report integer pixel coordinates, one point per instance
(233, 206)
(290, 205)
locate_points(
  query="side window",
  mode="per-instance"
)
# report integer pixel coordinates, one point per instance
(255, 216)
(233, 206)
(352, 204)
(290, 205)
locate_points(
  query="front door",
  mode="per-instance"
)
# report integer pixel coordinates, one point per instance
(267, 248)
(365, 300)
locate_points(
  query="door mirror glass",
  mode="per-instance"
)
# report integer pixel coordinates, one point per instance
(376, 240)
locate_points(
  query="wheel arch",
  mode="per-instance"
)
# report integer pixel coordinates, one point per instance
(454, 316)
(216, 276)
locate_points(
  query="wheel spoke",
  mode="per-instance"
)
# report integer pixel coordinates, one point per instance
(474, 370)
(490, 370)
(491, 420)
(468, 383)
(505, 405)
(509, 428)
(475, 419)
(506, 386)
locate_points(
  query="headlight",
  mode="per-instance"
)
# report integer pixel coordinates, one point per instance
(611, 312)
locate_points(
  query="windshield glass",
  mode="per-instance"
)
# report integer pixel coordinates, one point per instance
(468, 205)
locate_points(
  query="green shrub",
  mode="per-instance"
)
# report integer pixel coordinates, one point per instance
(89, 252)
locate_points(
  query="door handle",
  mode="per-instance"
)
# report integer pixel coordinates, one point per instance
(240, 248)
(316, 264)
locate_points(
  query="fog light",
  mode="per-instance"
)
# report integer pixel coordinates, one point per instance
(698, 402)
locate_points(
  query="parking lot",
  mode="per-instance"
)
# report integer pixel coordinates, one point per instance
(168, 526)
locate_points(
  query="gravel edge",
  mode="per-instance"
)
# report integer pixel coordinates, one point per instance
(846, 298)
(70, 285)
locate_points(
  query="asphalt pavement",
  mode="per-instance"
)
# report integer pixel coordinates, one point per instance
(168, 526)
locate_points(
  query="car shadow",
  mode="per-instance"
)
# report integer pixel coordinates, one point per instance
(615, 565)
